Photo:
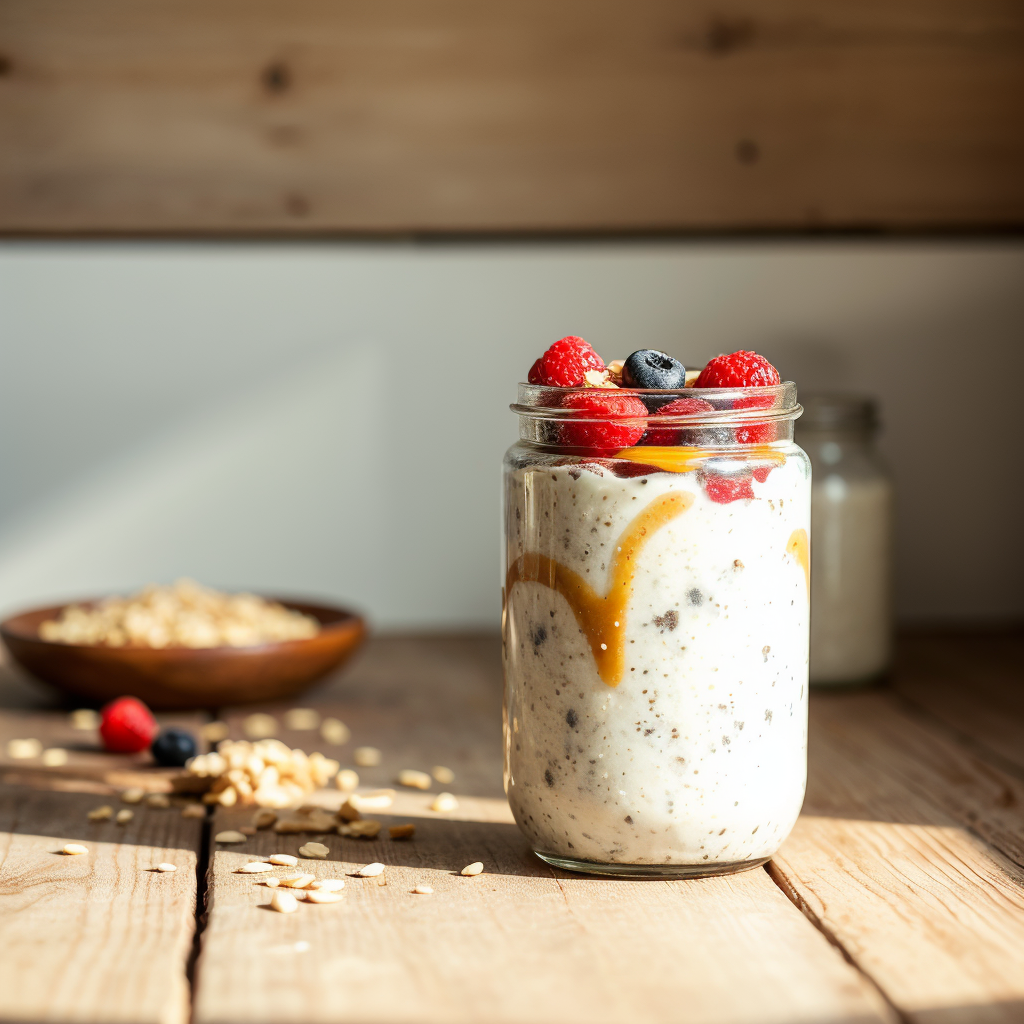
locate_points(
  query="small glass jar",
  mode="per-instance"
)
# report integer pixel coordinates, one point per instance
(655, 620)
(851, 532)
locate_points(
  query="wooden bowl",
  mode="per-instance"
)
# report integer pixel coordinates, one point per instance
(178, 678)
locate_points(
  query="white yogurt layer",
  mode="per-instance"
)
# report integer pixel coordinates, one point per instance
(698, 756)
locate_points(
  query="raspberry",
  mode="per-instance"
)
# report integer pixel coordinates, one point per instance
(668, 436)
(738, 370)
(723, 489)
(126, 726)
(603, 402)
(755, 433)
(761, 473)
(565, 363)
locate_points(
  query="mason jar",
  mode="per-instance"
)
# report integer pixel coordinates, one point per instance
(851, 531)
(655, 622)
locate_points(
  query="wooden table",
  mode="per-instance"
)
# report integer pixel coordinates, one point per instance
(899, 896)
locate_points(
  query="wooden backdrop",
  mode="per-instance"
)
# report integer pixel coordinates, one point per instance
(232, 116)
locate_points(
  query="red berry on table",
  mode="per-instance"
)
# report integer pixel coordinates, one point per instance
(667, 436)
(723, 489)
(738, 370)
(608, 434)
(565, 363)
(126, 726)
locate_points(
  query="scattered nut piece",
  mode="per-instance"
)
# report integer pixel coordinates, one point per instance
(444, 802)
(320, 896)
(365, 829)
(158, 801)
(285, 859)
(271, 882)
(166, 866)
(301, 719)
(473, 869)
(443, 775)
(414, 779)
(132, 795)
(284, 903)
(314, 851)
(214, 732)
(22, 750)
(370, 870)
(264, 819)
(123, 816)
(290, 827)
(259, 726)
(84, 719)
(335, 731)
(422, 890)
(406, 831)
(247, 830)
(366, 757)
(256, 867)
(104, 813)
(229, 836)
(346, 780)
(193, 811)
(75, 849)
(54, 757)
(328, 884)
(377, 800)
(297, 881)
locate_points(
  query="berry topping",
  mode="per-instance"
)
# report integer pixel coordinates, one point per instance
(611, 434)
(126, 726)
(666, 436)
(565, 363)
(723, 489)
(738, 370)
(648, 368)
(173, 747)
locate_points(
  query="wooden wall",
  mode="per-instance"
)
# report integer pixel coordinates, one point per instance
(248, 116)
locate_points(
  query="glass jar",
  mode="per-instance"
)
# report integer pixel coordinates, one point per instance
(851, 532)
(655, 634)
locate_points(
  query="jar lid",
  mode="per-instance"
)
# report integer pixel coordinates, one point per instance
(838, 411)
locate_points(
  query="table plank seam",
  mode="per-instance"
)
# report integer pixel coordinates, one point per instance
(777, 876)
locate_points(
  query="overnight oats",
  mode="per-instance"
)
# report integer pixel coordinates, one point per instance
(655, 613)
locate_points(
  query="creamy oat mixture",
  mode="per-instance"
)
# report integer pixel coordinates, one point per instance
(696, 754)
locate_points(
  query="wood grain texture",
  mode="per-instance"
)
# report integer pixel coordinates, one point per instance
(888, 859)
(228, 116)
(97, 938)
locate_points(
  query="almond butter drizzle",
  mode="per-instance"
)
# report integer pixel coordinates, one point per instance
(602, 619)
(799, 547)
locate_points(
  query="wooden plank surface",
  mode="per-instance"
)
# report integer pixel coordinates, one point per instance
(226, 116)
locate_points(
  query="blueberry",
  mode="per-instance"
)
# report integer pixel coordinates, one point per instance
(648, 368)
(173, 747)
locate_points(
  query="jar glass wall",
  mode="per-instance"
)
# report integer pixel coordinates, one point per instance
(655, 639)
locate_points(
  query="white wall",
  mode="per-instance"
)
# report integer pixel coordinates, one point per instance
(329, 419)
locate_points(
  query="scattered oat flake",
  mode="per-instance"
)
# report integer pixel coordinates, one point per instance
(22, 750)
(272, 882)
(444, 802)
(316, 851)
(247, 830)
(366, 757)
(54, 757)
(423, 890)
(84, 719)
(284, 903)
(406, 831)
(132, 795)
(285, 859)
(123, 816)
(335, 731)
(375, 800)
(193, 811)
(259, 726)
(256, 867)
(346, 780)
(366, 829)
(75, 849)
(229, 836)
(301, 719)
(167, 866)
(297, 881)
(264, 819)
(328, 884)
(370, 870)
(473, 869)
(443, 775)
(214, 732)
(323, 896)
(103, 813)
(414, 779)
(158, 801)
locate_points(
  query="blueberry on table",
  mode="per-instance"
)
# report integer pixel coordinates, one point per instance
(173, 747)
(648, 368)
